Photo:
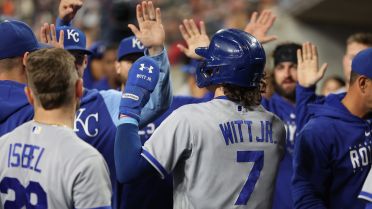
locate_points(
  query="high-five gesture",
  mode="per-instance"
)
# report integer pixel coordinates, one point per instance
(308, 71)
(48, 36)
(194, 38)
(259, 27)
(151, 32)
(68, 8)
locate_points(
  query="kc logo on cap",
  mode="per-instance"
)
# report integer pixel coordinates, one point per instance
(137, 44)
(71, 33)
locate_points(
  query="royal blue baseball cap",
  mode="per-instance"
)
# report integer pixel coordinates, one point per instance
(98, 49)
(362, 63)
(16, 39)
(74, 39)
(130, 45)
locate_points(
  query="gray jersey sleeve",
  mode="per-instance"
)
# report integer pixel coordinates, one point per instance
(171, 141)
(92, 187)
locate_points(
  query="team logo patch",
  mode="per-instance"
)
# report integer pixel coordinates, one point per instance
(130, 96)
(36, 129)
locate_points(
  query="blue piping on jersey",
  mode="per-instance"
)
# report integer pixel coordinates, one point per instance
(365, 195)
(154, 163)
(221, 97)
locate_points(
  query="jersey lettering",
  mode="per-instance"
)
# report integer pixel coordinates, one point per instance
(233, 132)
(25, 156)
(361, 156)
(250, 156)
(23, 195)
(149, 130)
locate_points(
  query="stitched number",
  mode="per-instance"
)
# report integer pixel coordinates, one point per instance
(250, 156)
(22, 195)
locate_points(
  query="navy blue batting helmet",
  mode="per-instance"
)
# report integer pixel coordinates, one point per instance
(233, 57)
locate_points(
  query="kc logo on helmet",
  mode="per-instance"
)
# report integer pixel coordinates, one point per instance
(143, 67)
(71, 33)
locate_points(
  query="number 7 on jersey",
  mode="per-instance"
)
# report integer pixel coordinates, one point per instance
(250, 156)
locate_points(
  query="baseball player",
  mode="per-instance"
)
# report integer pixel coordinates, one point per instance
(308, 77)
(94, 70)
(95, 121)
(282, 103)
(332, 152)
(45, 164)
(159, 193)
(209, 146)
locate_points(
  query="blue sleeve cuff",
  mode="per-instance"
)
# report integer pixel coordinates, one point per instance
(366, 196)
(152, 160)
(306, 89)
(128, 120)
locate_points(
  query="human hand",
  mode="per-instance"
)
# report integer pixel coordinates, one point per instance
(150, 32)
(194, 38)
(48, 36)
(308, 71)
(259, 27)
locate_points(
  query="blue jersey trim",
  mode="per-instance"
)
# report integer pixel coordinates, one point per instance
(154, 163)
(102, 207)
(365, 195)
(221, 97)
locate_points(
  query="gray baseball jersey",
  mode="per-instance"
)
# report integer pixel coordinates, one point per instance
(366, 192)
(48, 166)
(221, 155)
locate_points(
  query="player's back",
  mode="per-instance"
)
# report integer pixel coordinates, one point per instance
(229, 155)
(48, 166)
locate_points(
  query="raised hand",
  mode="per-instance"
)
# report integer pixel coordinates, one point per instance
(259, 27)
(194, 38)
(68, 8)
(150, 32)
(308, 71)
(48, 36)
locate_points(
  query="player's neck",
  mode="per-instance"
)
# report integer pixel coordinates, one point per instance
(59, 116)
(353, 103)
(13, 75)
(219, 92)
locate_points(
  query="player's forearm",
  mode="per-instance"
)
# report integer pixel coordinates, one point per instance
(304, 97)
(129, 163)
(161, 98)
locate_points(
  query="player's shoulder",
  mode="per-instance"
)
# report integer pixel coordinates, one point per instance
(92, 94)
(20, 130)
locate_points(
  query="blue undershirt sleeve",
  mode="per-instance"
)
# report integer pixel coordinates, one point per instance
(130, 165)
